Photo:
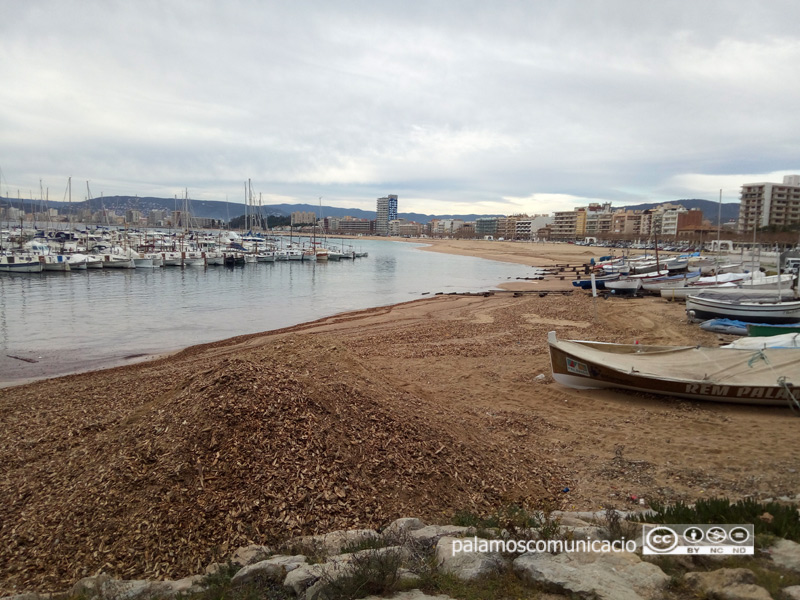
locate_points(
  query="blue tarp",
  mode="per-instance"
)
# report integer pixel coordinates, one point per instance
(729, 326)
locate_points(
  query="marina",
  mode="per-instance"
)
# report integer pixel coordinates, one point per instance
(64, 322)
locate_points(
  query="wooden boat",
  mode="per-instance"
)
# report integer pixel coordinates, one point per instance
(600, 282)
(765, 377)
(624, 286)
(730, 283)
(650, 275)
(766, 329)
(781, 340)
(673, 281)
(765, 308)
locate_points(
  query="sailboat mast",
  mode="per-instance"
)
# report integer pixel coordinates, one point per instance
(245, 207)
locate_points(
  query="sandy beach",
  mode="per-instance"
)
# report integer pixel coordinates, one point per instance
(424, 408)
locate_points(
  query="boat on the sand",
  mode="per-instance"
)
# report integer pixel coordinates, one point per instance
(764, 308)
(768, 376)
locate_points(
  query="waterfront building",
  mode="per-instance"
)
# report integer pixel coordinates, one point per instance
(486, 226)
(626, 222)
(528, 228)
(564, 225)
(303, 218)
(770, 204)
(386, 211)
(598, 220)
(132, 217)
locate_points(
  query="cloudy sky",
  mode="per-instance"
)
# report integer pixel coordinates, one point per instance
(457, 106)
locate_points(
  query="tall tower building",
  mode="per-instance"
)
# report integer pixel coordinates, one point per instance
(387, 211)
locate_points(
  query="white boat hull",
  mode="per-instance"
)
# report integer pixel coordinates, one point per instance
(699, 308)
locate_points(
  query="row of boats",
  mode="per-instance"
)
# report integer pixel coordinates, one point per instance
(750, 296)
(762, 368)
(112, 252)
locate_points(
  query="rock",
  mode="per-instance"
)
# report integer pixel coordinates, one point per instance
(791, 593)
(406, 577)
(342, 565)
(261, 571)
(89, 587)
(432, 533)
(786, 554)
(178, 587)
(335, 541)
(121, 589)
(249, 555)
(453, 558)
(767, 517)
(410, 595)
(728, 584)
(290, 563)
(303, 577)
(582, 533)
(619, 576)
(214, 568)
(104, 587)
(400, 526)
(569, 519)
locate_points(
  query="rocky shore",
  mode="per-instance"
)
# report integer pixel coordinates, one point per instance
(410, 560)
(154, 470)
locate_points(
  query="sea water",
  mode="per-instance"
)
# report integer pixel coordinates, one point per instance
(82, 320)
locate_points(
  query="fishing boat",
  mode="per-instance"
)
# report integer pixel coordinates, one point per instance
(624, 286)
(600, 282)
(770, 308)
(765, 377)
(10, 263)
(670, 282)
(767, 329)
(780, 340)
(726, 281)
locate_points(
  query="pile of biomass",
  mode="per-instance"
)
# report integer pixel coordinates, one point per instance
(157, 469)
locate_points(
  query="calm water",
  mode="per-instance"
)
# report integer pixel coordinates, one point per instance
(94, 318)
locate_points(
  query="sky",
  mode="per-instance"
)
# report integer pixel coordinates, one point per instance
(456, 106)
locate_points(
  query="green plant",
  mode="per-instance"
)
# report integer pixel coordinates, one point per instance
(616, 528)
(498, 586)
(368, 543)
(783, 520)
(369, 572)
(219, 587)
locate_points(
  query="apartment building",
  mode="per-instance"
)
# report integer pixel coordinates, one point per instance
(528, 228)
(564, 225)
(386, 211)
(769, 204)
(626, 222)
(303, 218)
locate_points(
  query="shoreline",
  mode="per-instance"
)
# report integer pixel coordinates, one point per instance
(427, 407)
(76, 367)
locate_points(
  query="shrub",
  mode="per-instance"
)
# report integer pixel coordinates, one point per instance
(784, 520)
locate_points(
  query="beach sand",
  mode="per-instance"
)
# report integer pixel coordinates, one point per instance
(419, 409)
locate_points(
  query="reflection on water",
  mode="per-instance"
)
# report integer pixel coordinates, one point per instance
(106, 314)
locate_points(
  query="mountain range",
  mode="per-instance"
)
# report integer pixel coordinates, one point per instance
(225, 211)
(727, 211)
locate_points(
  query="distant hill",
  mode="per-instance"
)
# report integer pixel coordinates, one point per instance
(730, 210)
(211, 209)
(225, 211)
